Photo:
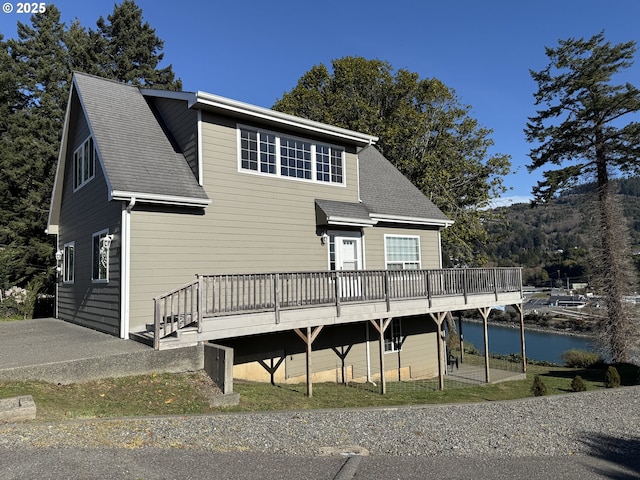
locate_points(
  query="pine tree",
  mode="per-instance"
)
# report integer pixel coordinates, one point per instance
(581, 131)
(35, 71)
(130, 50)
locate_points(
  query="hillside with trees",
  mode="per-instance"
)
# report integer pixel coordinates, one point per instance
(553, 242)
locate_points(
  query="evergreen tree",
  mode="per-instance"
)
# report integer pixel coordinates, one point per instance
(128, 50)
(35, 71)
(30, 146)
(424, 130)
(580, 130)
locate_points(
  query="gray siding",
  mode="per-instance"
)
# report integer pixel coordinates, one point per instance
(255, 224)
(417, 358)
(182, 124)
(374, 245)
(83, 213)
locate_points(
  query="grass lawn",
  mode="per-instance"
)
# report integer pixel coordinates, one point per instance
(183, 394)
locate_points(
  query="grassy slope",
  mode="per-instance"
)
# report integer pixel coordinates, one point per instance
(172, 394)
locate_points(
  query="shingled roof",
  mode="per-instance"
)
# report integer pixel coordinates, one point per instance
(138, 157)
(386, 196)
(387, 193)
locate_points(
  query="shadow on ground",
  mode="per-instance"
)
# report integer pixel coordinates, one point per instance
(623, 452)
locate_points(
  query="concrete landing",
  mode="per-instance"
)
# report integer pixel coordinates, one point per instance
(56, 351)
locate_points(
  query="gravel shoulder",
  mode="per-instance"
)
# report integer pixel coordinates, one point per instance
(600, 423)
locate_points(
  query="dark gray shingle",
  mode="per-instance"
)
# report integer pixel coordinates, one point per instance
(137, 154)
(385, 191)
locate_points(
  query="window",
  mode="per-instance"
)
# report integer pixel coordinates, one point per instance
(101, 246)
(393, 337)
(267, 153)
(328, 164)
(295, 158)
(68, 262)
(84, 163)
(402, 253)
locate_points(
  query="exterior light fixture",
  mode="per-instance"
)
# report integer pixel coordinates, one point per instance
(59, 255)
(324, 238)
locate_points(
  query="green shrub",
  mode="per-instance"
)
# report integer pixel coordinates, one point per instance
(612, 378)
(580, 358)
(578, 385)
(538, 389)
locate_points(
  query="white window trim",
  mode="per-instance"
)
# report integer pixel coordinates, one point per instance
(333, 234)
(65, 260)
(93, 259)
(386, 262)
(81, 149)
(278, 173)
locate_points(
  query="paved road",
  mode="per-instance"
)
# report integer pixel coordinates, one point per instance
(151, 464)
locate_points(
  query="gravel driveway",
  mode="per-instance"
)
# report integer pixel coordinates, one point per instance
(599, 423)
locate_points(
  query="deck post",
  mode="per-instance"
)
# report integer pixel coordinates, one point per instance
(484, 311)
(381, 327)
(308, 338)
(387, 296)
(200, 305)
(438, 318)
(336, 285)
(520, 311)
(461, 337)
(276, 296)
(156, 323)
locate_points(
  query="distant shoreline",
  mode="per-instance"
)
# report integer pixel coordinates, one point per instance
(534, 328)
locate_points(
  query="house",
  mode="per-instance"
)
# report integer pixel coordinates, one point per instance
(189, 217)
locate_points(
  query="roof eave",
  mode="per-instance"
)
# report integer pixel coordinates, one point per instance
(160, 199)
(350, 222)
(283, 119)
(437, 222)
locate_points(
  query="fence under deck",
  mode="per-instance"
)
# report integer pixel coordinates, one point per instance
(224, 306)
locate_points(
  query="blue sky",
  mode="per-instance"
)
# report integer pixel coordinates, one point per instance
(254, 51)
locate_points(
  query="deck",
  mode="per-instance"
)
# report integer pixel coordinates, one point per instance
(227, 306)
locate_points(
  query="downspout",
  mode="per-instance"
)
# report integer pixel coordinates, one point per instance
(125, 260)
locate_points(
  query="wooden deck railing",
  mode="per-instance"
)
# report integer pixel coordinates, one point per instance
(221, 295)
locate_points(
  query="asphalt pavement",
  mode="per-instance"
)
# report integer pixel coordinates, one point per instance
(152, 464)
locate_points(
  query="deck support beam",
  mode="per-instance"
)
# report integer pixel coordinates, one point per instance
(519, 308)
(342, 355)
(484, 311)
(381, 327)
(438, 318)
(308, 338)
(271, 369)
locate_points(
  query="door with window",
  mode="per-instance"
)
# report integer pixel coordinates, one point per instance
(348, 258)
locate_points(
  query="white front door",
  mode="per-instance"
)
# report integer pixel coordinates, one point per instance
(348, 258)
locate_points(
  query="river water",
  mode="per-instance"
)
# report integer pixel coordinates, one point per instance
(545, 346)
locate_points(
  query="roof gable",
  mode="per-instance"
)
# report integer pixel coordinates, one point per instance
(137, 154)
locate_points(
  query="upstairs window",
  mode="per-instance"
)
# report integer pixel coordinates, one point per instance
(268, 153)
(402, 253)
(84, 163)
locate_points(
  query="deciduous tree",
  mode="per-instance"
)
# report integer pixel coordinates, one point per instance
(424, 130)
(581, 130)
